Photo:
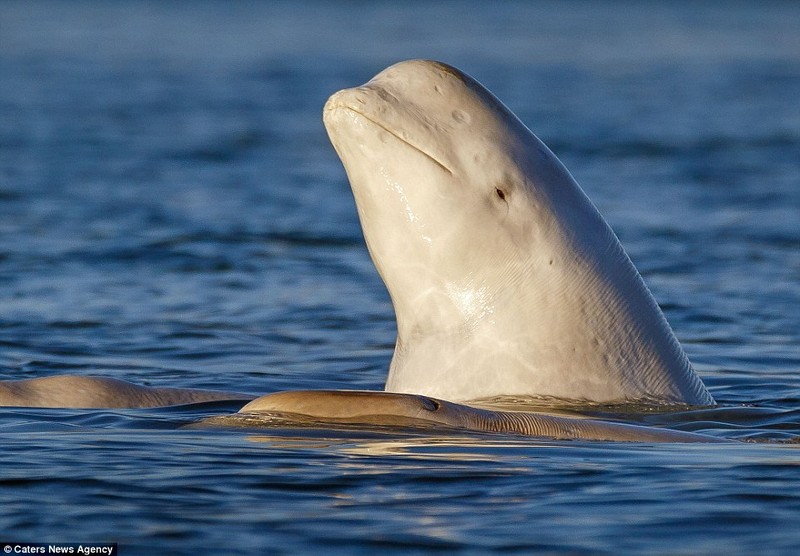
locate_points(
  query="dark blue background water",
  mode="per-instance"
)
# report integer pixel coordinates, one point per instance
(171, 213)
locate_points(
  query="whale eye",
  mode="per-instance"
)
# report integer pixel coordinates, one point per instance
(504, 189)
(430, 404)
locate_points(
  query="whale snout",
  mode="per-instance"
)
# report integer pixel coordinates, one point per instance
(370, 100)
(388, 111)
(346, 98)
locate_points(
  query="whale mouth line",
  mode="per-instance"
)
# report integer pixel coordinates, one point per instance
(375, 122)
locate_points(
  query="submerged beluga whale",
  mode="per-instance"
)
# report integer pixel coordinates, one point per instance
(504, 278)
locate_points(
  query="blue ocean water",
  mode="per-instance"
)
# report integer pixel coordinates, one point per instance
(171, 213)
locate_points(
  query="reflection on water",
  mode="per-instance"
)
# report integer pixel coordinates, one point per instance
(171, 213)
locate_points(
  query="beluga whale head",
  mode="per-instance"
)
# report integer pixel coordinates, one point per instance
(505, 279)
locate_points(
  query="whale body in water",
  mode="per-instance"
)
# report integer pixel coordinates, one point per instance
(504, 278)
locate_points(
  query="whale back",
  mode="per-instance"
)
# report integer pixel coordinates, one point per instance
(74, 391)
(504, 277)
(329, 407)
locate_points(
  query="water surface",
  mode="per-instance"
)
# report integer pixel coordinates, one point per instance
(171, 213)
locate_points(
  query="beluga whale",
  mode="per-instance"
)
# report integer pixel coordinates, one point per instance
(505, 279)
